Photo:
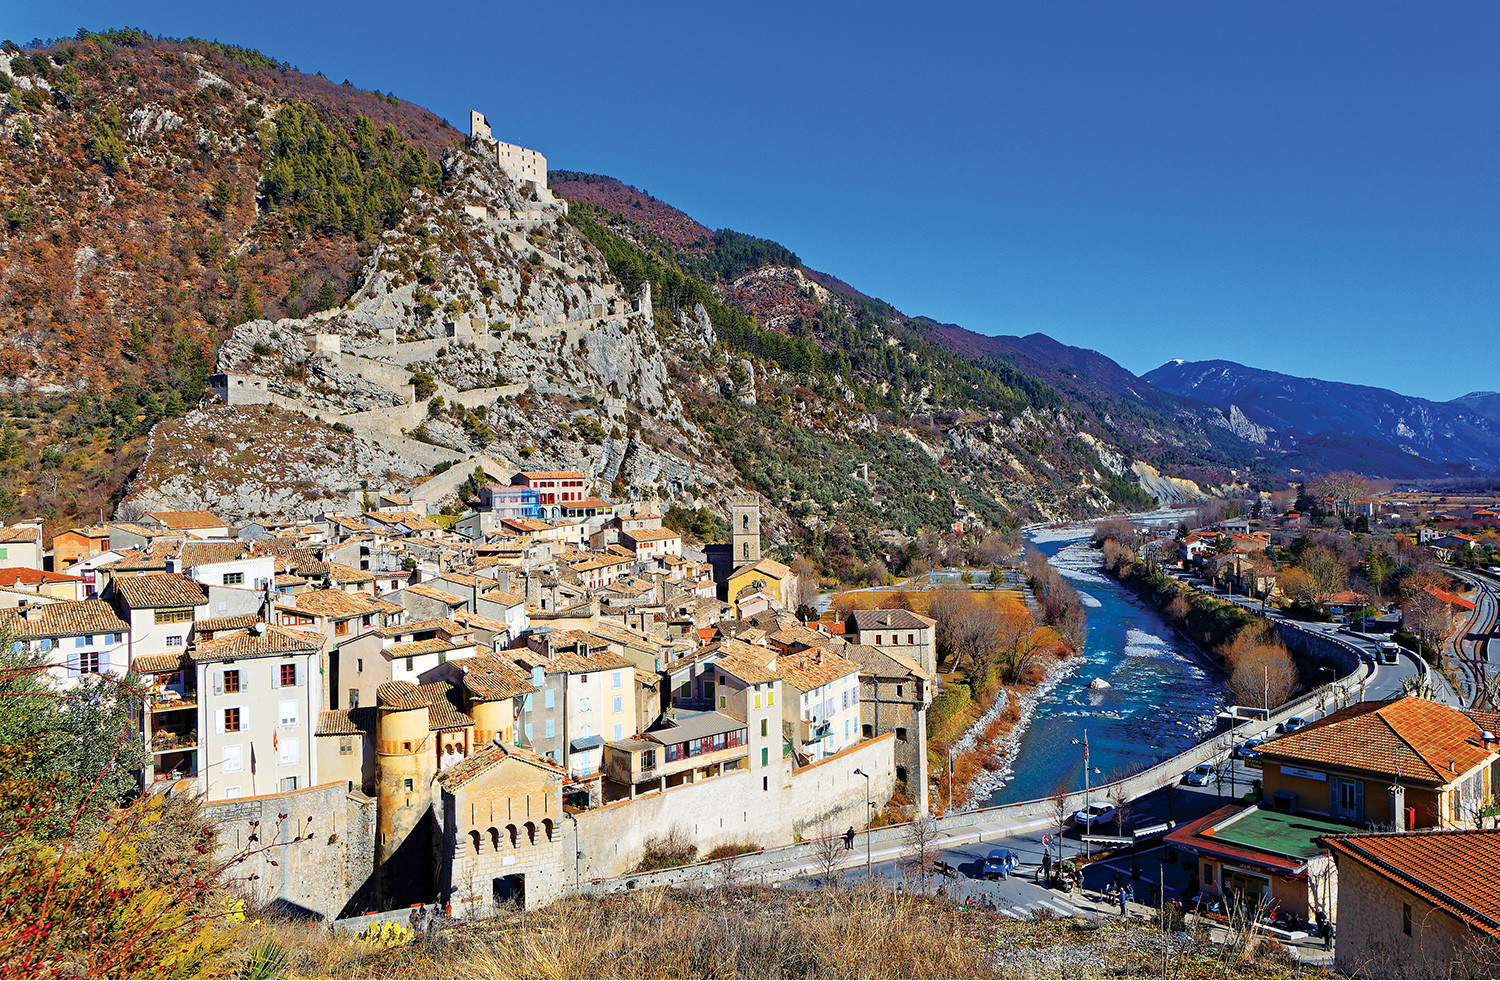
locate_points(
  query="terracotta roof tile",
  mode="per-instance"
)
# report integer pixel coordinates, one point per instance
(493, 679)
(478, 763)
(65, 619)
(401, 695)
(346, 722)
(811, 669)
(162, 663)
(1411, 735)
(1457, 871)
(145, 592)
(272, 642)
(194, 554)
(213, 624)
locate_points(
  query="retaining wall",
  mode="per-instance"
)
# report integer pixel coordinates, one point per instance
(308, 850)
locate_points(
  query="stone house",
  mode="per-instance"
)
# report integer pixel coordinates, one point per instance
(1423, 905)
(500, 832)
(894, 695)
(900, 632)
(78, 638)
(160, 609)
(21, 546)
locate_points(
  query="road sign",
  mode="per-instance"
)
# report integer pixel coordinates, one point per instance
(1046, 841)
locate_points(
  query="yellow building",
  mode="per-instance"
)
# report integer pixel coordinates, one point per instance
(766, 575)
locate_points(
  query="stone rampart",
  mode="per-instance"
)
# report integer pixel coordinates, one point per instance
(309, 850)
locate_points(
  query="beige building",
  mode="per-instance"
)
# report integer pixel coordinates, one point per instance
(1418, 905)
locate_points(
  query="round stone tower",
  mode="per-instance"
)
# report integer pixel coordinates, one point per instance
(406, 759)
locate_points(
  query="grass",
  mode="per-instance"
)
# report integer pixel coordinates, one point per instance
(763, 932)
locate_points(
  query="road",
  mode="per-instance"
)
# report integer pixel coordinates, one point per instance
(1385, 680)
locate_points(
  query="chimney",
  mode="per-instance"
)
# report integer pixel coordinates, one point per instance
(1398, 808)
(1490, 742)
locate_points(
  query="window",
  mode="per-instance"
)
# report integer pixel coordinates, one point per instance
(84, 642)
(288, 783)
(232, 682)
(687, 690)
(723, 701)
(174, 640)
(549, 729)
(617, 707)
(528, 732)
(583, 703)
(877, 640)
(287, 710)
(174, 616)
(549, 699)
(408, 784)
(616, 680)
(354, 698)
(1406, 918)
(910, 639)
(408, 664)
(708, 689)
(764, 727)
(232, 719)
(619, 731)
(770, 699)
(341, 628)
(232, 759)
(359, 665)
(234, 578)
(88, 662)
(898, 691)
(234, 791)
(869, 730)
(289, 676)
(346, 745)
(287, 751)
(765, 756)
(757, 701)
(901, 734)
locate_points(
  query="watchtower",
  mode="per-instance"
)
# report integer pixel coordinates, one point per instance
(744, 516)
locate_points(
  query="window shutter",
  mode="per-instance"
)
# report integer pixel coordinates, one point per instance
(219, 721)
(72, 665)
(219, 685)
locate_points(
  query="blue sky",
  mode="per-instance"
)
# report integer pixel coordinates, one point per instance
(1311, 188)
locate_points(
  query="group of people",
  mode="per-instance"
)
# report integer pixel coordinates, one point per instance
(1120, 891)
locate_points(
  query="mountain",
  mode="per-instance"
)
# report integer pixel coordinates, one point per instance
(404, 306)
(1336, 425)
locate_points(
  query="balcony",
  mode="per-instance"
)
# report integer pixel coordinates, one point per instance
(166, 741)
(186, 703)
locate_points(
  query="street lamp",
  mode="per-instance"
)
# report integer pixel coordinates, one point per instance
(870, 806)
(1332, 674)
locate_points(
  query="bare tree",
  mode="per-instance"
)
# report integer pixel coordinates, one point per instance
(920, 855)
(828, 850)
(1427, 613)
(807, 581)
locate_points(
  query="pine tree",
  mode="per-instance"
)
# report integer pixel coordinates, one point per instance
(326, 300)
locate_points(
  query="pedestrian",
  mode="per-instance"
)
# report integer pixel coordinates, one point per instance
(1117, 881)
(1047, 868)
(849, 839)
(1325, 930)
(1124, 898)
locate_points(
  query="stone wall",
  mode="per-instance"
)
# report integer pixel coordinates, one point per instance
(786, 803)
(309, 851)
(1372, 942)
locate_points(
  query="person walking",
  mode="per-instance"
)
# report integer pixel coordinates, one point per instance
(1126, 894)
(849, 839)
(1046, 868)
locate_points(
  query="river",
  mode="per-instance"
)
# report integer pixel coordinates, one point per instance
(1163, 696)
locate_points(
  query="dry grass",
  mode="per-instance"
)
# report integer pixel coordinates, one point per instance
(770, 933)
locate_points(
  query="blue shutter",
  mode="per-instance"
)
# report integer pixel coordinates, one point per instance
(72, 665)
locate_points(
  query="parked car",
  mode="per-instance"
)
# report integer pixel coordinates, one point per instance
(1293, 724)
(1093, 814)
(1199, 776)
(1000, 863)
(1249, 749)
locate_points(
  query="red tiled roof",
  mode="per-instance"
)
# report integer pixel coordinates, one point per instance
(401, 695)
(1411, 735)
(271, 642)
(1452, 599)
(813, 668)
(1457, 871)
(550, 474)
(66, 619)
(492, 679)
(480, 762)
(33, 577)
(346, 722)
(145, 592)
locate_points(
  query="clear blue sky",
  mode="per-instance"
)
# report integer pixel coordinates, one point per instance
(1311, 188)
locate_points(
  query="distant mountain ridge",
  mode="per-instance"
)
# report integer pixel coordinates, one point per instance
(1324, 422)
